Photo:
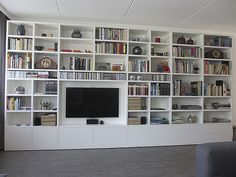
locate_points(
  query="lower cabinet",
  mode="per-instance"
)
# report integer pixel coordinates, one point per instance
(19, 138)
(76, 137)
(45, 137)
(138, 136)
(110, 137)
(97, 136)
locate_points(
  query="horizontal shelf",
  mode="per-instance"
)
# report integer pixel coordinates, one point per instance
(77, 39)
(217, 96)
(186, 45)
(47, 111)
(76, 53)
(138, 42)
(44, 95)
(215, 59)
(137, 96)
(218, 75)
(186, 58)
(187, 96)
(153, 111)
(160, 96)
(185, 110)
(185, 74)
(46, 37)
(46, 52)
(216, 47)
(149, 81)
(19, 36)
(160, 43)
(160, 57)
(18, 111)
(137, 110)
(20, 51)
(19, 95)
(18, 69)
(217, 110)
(40, 79)
(157, 73)
(139, 56)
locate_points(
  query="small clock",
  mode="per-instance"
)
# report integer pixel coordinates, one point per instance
(46, 63)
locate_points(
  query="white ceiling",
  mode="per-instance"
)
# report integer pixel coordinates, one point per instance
(216, 15)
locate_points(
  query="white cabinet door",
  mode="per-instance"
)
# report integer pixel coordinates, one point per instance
(109, 137)
(76, 137)
(45, 137)
(19, 138)
(138, 136)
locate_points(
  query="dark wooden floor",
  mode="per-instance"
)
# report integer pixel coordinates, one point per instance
(172, 161)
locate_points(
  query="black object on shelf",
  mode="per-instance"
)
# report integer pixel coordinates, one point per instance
(143, 120)
(92, 121)
(137, 50)
(181, 40)
(21, 30)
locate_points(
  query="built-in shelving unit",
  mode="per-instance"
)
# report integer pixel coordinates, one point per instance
(165, 78)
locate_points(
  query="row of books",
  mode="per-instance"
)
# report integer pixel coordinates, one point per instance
(20, 44)
(19, 61)
(138, 90)
(138, 66)
(219, 88)
(160, 89)
(111, 48)
(28, 74)
(187, 52)
(211, 67)
(111, 34)
(181, 88)
(51, 87)
(136, 104)
(218, 41)
(184, 66)
(160, 77)
(14, 103)
(93, 76)
(77, 63)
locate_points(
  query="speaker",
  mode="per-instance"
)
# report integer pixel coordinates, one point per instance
(92, 121)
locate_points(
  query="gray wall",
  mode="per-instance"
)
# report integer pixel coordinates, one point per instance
(3, 20)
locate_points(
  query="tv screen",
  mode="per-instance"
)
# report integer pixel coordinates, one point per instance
(92, 102)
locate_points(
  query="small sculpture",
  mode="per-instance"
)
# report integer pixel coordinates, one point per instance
(181, 40)
(20, 30)
(20, 90)
(76, 34)
(190, 41)
(45, 104)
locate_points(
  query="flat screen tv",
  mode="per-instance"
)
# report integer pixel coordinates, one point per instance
(92, 102)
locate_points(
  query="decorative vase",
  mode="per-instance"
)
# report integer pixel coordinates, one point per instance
(181, 40)
(190, 41)
(137, 50)
(20, 30)
(76, 34)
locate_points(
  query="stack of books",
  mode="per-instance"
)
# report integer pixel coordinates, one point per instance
(136, 104)
(48, 120)
(134, 121)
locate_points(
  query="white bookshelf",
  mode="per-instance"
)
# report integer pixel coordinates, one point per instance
(158, 69)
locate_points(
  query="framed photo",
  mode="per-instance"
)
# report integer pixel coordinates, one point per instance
(117, 67)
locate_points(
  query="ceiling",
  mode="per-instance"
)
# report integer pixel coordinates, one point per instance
(214, 15)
